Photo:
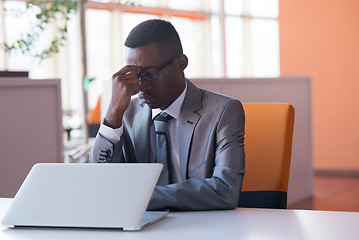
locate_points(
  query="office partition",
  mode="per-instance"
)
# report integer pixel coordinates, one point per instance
(30, 128)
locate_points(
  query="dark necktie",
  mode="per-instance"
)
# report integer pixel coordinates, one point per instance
(163, 148)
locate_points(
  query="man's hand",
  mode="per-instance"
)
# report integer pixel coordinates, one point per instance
(125, 83)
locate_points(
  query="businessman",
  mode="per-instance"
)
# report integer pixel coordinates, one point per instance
(196, 134)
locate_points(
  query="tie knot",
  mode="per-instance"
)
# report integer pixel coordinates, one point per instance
(160, 122)
(163, 117)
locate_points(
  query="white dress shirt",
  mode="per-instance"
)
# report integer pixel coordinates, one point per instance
(174, 110)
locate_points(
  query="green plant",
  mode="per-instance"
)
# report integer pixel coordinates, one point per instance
(47, 11)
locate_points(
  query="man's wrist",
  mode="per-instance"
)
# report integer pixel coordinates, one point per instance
(107, 123)
(112, 122)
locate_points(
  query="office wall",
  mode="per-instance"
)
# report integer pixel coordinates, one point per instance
(321, 38)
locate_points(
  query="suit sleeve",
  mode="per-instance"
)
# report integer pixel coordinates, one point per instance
(222, 189)
(107, 146)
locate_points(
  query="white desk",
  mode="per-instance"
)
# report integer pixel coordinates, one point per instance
(220, 225)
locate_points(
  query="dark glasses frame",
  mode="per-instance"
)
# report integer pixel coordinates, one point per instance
(151, 74)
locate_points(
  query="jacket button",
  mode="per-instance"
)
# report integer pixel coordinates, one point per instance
(108, 155)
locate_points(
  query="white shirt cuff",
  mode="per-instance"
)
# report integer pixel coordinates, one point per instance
(113, 135)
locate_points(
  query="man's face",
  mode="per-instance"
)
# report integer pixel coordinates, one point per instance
(169, 82)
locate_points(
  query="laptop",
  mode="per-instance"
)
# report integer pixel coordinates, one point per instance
(86, 195)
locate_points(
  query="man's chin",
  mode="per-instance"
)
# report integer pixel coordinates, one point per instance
(151, 105)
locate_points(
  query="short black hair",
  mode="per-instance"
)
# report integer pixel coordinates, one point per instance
(154, 30)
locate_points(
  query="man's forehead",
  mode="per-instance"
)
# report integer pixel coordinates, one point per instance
(150, 54)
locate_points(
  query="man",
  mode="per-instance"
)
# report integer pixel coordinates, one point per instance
(205, 135)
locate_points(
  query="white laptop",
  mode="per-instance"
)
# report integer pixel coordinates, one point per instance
(86, 195)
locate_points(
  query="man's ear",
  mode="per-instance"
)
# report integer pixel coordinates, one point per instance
(183, 61)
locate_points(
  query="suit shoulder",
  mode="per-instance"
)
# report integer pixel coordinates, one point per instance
(215, 105)
(216, 99)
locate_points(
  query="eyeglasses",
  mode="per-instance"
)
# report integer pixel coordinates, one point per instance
(151, 74)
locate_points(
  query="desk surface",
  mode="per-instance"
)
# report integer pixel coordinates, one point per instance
(232, 224)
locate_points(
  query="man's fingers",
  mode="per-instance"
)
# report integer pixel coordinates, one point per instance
(126, 69)
(130, 81)
(133, 88)
(127, 73)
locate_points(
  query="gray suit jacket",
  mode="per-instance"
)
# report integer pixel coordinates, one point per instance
(211, 150)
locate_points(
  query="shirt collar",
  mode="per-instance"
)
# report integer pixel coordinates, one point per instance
(174, 109)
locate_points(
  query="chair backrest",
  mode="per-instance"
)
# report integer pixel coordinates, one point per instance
(268, 149)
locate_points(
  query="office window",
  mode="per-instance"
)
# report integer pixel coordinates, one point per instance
(263, 8)
(252, 38)
(217, 63)
(16, 15)
(98, 34)
(233, 7)
(265, 54)
(234, 47)
(149, 3)
(193, 37)
(222, 38)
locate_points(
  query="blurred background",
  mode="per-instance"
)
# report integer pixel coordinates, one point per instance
(223, 39)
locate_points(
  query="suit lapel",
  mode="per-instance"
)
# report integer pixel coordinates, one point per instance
(141, 128)
(187, 122)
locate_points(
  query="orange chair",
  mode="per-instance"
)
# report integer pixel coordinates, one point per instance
(94, 119)
(268, 149)
(94, 116)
